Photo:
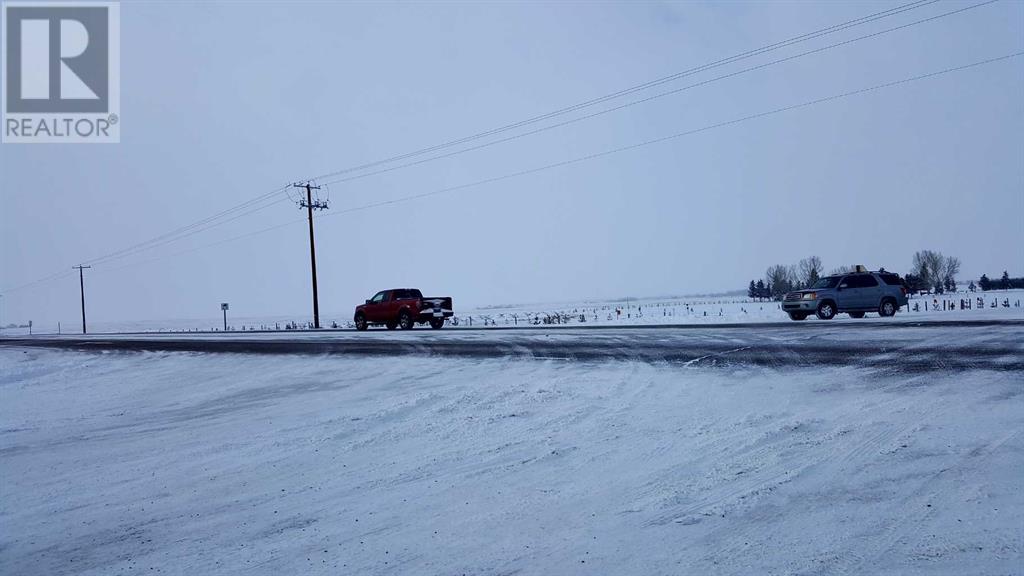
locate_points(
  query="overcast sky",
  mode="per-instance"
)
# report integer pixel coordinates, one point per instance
(225, 102)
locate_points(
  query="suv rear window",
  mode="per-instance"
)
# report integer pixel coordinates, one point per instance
(860, 281)
(891, 279)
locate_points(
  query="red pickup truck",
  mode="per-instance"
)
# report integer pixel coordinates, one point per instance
(403, 307)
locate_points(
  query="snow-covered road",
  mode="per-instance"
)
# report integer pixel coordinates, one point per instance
(197, 463)
(896, 347)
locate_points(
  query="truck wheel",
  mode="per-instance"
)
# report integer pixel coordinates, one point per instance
(361, 322)
(856, 314)
(797, 316)
(436, 323)
(391, 324)
(405, 320)
(826, 310)
(887, 307)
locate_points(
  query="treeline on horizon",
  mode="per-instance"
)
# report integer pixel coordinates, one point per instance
(931, 272)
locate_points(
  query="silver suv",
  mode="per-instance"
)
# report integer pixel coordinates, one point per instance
(855, 294)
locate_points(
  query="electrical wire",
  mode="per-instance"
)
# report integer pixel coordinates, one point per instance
(650, 84)
(193, 228)
(657, 96)
(51, 277)
(218, 218)
(170, 237)
(126, 253)
(582, 158)
(671, 136)
(211, 245)
(187, 229)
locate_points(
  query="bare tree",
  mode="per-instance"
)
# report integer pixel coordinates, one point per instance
(929, 267)
(794, 278)
(841, 270)
(779, 277)
(934, 269)
(950, 268)
(810, 270)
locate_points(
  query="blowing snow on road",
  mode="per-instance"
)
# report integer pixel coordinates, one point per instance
(207, 463)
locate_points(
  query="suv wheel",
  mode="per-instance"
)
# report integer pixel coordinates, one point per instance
(856, 314)
(405, 320)
(887, 307)
(436, 323)
(361, 322)
(827, 310)
(797, 315)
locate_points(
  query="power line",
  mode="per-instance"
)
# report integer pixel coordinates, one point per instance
(190, 229)
(210, 221)
(205, 246)
(168, 238)
(656, 96)
(674, 136)
(537, 169)
(54, 276)
(543, 168)
(650, 84)
(125, 253)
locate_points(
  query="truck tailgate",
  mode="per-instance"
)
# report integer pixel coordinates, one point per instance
(432, 303)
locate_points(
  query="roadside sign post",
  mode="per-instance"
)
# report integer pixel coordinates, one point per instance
(224, 309)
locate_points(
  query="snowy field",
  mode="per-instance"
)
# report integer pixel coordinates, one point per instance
(623, 312)
(184, 463)
(727, 310)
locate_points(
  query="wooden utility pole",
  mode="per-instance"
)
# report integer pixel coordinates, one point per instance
(81, 285)
(310, 205)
